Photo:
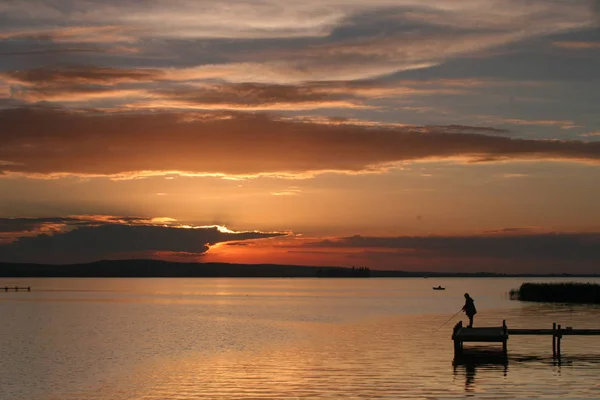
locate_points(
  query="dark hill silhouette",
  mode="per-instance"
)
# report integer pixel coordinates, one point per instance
(158, 268)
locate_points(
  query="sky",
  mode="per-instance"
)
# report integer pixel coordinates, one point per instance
(429, 135)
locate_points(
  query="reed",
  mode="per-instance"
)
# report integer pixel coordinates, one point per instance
(567, 292)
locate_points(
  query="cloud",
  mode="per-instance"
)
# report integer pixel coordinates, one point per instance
(512, 176)
(577, 45)
(93, 238)
(291, 191)
(307, 41)
(50, 141)
(590, 134)
(270, 19)
(247, 96)
(12, 229)
(76, 34)
(37, 225)
(22, 226)
(149, 88)
(51, 51)
(508, 250)
(513, 231)
(82, 75)
(562, 124)
(555, 245)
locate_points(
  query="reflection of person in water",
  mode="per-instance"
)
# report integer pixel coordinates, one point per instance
(470, 373)
(469, 309)
(469, 365)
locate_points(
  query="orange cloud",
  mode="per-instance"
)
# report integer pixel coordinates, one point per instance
(563, 124)
(81, 75)
(75, 34)
(52, 141)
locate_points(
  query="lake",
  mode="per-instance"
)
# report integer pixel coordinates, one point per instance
(238, 338)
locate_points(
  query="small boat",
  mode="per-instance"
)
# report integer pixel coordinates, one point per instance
(439, 288)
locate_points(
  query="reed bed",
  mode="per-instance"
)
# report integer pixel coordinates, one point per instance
(567, 292)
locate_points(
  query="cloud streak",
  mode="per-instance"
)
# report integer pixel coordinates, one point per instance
(577, 45)
(268, 19)
(52, 141)
(508, 250)
(553, 246)
(308, 40)
(149, 88)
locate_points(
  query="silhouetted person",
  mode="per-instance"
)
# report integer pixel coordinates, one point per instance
(469, 309)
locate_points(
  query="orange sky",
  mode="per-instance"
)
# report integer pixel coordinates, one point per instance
(299, 126)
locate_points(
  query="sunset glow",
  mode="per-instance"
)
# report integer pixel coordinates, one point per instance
(396, 134)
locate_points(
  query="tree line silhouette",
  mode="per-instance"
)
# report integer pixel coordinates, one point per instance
(354, 272)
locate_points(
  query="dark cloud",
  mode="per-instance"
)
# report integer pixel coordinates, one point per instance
(77, 83)
(31, 224)
(53, 50)
(83, 74)
(250, 94)
(511, 230)
(157, 88)
(517, 62)
(27, 224)
(90, 243)
(48, 140)
(467, 129)
(576, 247)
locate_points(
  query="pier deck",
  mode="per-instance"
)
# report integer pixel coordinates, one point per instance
(500, 334)
(16, 288)
(496, 334)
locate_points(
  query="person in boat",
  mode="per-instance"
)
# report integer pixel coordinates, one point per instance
(469, 309)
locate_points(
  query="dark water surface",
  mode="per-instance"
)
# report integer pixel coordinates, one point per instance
(115, 339)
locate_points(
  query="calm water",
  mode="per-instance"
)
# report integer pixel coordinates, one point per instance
(114, 339)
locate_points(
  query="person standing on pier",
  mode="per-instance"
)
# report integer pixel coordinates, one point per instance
(469, 309)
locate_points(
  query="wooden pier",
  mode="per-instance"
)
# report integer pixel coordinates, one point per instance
(16, 289)
(494, 334)
(500, 334)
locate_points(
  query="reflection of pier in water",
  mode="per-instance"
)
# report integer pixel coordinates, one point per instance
(474, 360)
(470, 360)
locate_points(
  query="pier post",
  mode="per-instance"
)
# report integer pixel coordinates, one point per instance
(457, 343)
(554, 339)
(558, 338)
(457, 348)
(505, 332)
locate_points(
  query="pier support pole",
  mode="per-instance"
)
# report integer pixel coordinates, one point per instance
(457, 343)
(505, 332)
(554, 339)
(558, 338)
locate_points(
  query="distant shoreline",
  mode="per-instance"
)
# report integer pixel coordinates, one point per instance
(167, 269)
